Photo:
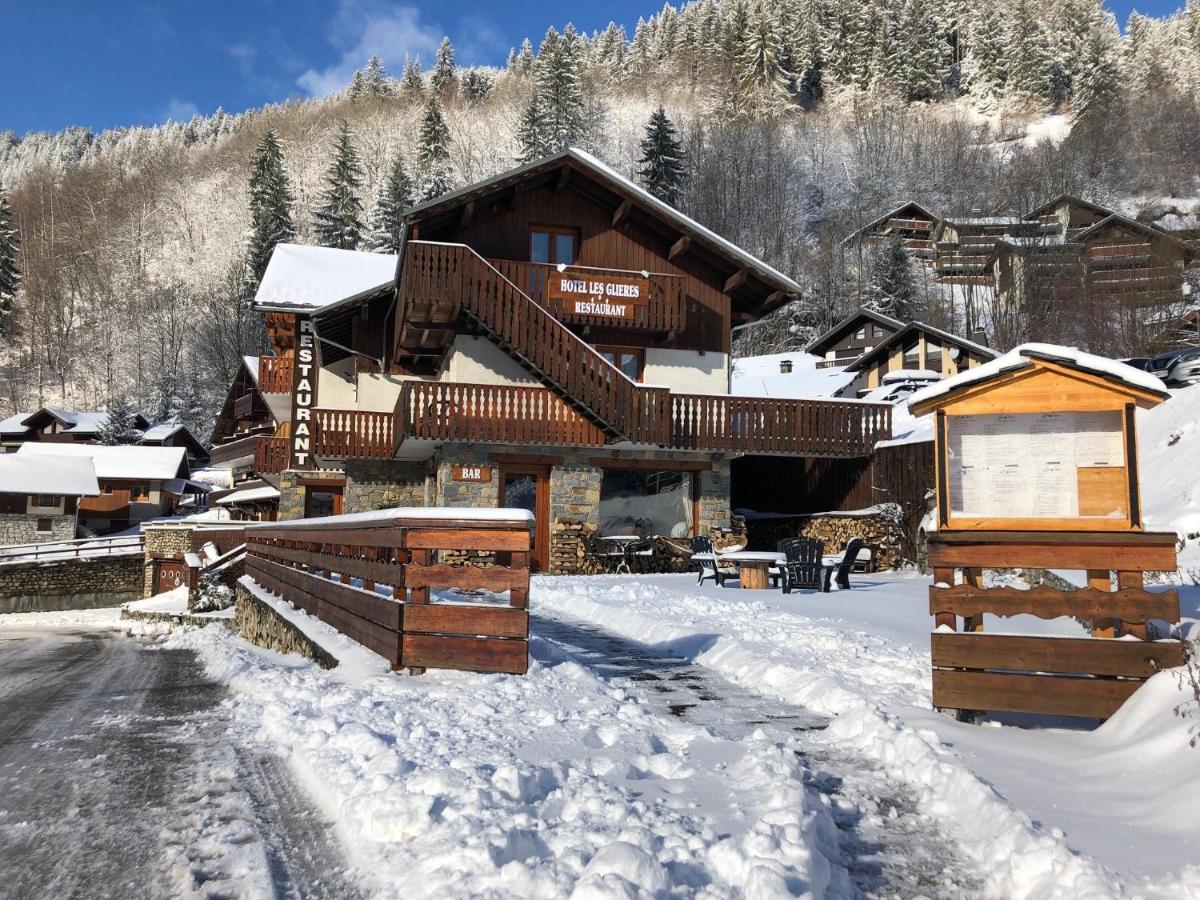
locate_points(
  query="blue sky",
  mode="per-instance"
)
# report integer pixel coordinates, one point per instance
(124, 62)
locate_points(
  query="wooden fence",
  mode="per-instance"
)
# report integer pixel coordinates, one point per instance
(372, 577)
(1089, 677)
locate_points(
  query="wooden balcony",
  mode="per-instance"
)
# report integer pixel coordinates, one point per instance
(243, 406)
(238, 448)
(352, 434)
(531, 415)
(662, 313)
(275, 374)
(270, 455)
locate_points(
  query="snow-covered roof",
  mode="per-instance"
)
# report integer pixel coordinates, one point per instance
(759, 376)
(68, 475)
(382, 516)
(80, 422)
(250, 495)
(303, 278)
(122, 461)
(644, 197)
(911, 375)
(1056, 239)
(847, 323)
(161, 431)
(1019, 358)
(13, 424)
(252, 366)
(983, 220)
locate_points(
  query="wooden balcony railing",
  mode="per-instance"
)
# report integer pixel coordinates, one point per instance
(270, 455)
(439, 275)
(662, 313)
(235, 449)
(243, 406)
(352, 434)
(491, 413)
(275, 374)
(769, 426)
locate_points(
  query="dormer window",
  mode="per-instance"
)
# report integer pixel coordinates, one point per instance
(553, 245)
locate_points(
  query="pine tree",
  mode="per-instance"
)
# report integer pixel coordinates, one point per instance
(270, 207)
(986, 70)
(433, 152)
(663, 166)
(357, 88)
(10, 274)
(476, 85)
(763, 81)
(337, 220)
(1098, 87)
(533, 131)
(808, 53)
(387, 216)
(919, 62)
(375, 78)
(444, 81)
(120, 426)
(524, 62)
(892, 289)
(559, 88)
(1025, 53)
(412, 82)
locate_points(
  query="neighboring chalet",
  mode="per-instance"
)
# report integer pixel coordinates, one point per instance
(40, 497)
(910, 223)
(850, 338)
(916, 347)
(964, 246)
(173, 434)
(57, 425)
(553, 338)
(136, 483)
(1067, 215)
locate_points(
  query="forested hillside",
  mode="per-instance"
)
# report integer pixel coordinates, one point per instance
(127, 258)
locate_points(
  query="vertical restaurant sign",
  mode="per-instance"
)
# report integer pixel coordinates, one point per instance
(587, 293)
(303, 393)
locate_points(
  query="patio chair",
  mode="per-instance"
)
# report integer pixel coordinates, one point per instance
(843, 567)
(802, 565)
(704, 555)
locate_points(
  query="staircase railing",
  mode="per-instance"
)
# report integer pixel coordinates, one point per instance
(570, 365)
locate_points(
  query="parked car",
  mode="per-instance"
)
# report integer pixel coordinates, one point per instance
(1138, 362)
(1161, 364)
(1185, 368)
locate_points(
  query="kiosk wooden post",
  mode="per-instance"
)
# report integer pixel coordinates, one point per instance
(1037, 468)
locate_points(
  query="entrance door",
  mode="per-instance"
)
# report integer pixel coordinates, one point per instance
(170, 575)
(322, 501)
(528, 487)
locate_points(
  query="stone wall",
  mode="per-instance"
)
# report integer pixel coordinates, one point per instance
(169, 541)
(370, 484)
(258, 623)
(834, 530)
(22, 528)
(80, 583)
(714, 498)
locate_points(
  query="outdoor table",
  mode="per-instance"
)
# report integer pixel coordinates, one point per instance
(753, 566)
(620, 552)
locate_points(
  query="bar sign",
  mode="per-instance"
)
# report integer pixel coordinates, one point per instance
(475, 474)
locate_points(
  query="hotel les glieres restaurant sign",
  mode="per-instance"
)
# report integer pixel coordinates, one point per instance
(583, 293)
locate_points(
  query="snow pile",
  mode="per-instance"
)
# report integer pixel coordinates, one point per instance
(862, 657)
(759, 376)
(1169, 447)
(548, 785)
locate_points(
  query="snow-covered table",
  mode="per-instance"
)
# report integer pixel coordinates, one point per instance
(753, 566)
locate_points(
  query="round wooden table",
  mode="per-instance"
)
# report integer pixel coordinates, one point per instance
(753, 567)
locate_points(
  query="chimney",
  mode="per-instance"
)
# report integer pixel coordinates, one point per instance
(979, 336)
(785, 367)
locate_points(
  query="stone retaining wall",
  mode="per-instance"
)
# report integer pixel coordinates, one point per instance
(86, 583)
(834, 530)
(258, 623)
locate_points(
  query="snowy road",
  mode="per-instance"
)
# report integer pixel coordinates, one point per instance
(888, 848)
(117, 778)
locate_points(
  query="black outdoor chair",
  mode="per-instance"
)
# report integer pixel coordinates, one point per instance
(801, 567)
(704, 555)
(843, 568)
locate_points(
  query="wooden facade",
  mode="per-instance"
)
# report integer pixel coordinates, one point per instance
(850, 338)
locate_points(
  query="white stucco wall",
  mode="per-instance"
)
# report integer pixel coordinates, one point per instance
(335, 385)
(688, 371)
(476, 360)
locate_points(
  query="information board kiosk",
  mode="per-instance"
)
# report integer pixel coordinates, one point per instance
(1036, 462)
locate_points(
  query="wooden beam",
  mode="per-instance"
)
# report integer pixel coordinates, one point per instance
(735, 281)
(774, 297)
(680, 247)
(563, 177)
(622, 212)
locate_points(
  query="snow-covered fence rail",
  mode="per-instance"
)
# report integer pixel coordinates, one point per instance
(23, 553)
(384, 579)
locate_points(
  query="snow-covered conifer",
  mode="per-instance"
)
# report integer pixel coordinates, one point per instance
(375, 78)
(444, 79)
(120, 427)
(663, 165)
(919, 53)
(387, 215)
(764, 82)
(270, 206)
(412, 81)
(337, 219)
(10, 274)
(433, 152)
(1025, 53)
(892, 289)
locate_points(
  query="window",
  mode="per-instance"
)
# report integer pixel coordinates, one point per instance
(912, 357)
(549, 244)
(45, 501)
(139, 492)
(631, 361)
(646, 502)
(878, 331)
(44, 524)
(106, 488)
(933, 357)
(861, 334)
(322, 501)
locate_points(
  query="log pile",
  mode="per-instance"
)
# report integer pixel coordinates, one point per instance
(834, 530)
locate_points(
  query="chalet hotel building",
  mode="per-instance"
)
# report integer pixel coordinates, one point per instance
(553, 338)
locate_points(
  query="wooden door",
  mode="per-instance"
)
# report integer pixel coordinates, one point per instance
(322, 500)
(528, 487)
(171, 574)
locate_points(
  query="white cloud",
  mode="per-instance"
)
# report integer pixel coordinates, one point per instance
(178, 110)
(365, 28)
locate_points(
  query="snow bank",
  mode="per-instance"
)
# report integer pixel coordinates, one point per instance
(867, 665)
(548, 785)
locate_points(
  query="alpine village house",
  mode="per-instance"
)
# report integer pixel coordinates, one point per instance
(553, 338)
